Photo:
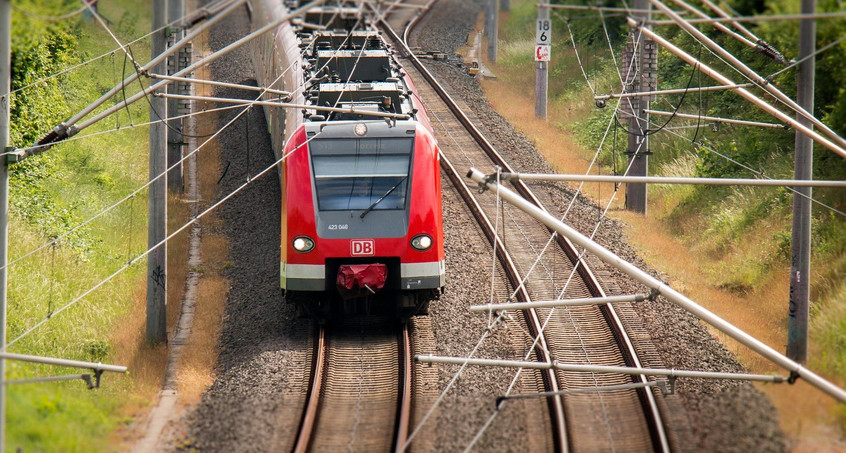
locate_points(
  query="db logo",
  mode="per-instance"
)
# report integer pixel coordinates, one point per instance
(365, 247)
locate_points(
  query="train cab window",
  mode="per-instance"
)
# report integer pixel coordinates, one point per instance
(361, 174)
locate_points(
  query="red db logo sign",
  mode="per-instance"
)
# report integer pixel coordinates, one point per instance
(365, 247)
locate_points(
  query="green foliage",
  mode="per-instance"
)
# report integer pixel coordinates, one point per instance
(37, 108)
(54, 192)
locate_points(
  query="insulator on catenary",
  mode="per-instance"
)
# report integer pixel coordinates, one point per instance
(766, 49)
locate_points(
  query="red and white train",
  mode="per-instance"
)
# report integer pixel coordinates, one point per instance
(362, 225)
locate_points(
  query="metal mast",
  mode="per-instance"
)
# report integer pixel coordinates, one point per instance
(175, 138)
(5, 93)
(639, 71)
(800, 246)
(157, 220)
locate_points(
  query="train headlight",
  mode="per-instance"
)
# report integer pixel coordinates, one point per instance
(303, 244)
(422, 242)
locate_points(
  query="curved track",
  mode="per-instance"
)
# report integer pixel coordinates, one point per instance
(622, 420)
(360, 391)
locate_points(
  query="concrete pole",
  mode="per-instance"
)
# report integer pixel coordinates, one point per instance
(157, 219)
(5, 90)
(505, 5)
(800, 247)
(491, 26)
(638, 146)
(174, 131)
(542, 70)
(493, 31)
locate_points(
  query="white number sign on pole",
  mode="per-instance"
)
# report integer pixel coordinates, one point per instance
(542, 52)
(543, 34)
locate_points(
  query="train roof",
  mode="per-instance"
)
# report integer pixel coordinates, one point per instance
(348, 65)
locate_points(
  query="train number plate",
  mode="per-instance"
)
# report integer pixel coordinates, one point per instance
(363, 247)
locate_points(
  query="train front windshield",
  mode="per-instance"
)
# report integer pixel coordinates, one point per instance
(361, 174)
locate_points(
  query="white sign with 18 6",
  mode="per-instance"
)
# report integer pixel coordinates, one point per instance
(543, 34)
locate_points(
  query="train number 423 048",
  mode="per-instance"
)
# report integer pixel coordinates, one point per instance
(342, 226)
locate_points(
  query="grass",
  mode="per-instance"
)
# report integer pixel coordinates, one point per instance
(108, 324)
(740, 236)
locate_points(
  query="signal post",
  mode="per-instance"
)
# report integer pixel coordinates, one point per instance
(543, 41)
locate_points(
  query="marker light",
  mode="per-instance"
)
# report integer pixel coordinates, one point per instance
(421, 242)
(303, 244)
(360, 129)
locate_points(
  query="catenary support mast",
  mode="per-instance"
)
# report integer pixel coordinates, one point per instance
(5, 92)
(638, 72)
(175, 140)
(157, 222)
(800, 249)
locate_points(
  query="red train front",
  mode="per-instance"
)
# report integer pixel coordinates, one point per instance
(361, 217)
(362, 226)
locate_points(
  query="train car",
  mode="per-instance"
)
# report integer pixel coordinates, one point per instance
(362, 224)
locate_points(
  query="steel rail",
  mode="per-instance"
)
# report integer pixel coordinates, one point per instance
(654, 418)
(405, 397)
(533, 321)
(315, 390)
(550, 380)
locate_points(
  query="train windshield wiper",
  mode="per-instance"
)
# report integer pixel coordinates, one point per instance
(370, 208)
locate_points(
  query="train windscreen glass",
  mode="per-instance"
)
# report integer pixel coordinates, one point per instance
(361, 174)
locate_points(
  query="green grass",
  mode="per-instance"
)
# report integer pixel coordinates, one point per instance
(85, 176)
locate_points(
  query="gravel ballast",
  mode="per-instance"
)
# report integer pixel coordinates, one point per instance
(264, 348)
(723, 415)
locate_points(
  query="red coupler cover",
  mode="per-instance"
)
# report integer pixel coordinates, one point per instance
(352, 279)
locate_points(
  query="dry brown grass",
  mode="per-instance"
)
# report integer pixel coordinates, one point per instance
(177, 258)
(145, 361)
(198, 360)
(560, 148)
(148, 362)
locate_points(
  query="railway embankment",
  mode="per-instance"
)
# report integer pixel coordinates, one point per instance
(726, 248)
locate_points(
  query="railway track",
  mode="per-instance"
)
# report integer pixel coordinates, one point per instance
(359, 397)
(626, 420)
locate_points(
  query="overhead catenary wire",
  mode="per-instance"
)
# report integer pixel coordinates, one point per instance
(745, 93)
(207, 60)
(196, 218)
(87, 62)
(143, 254)
(795, 63)
(70, 126)
(833, 138)
(131, 196)
(752, 170)
(761, 18)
